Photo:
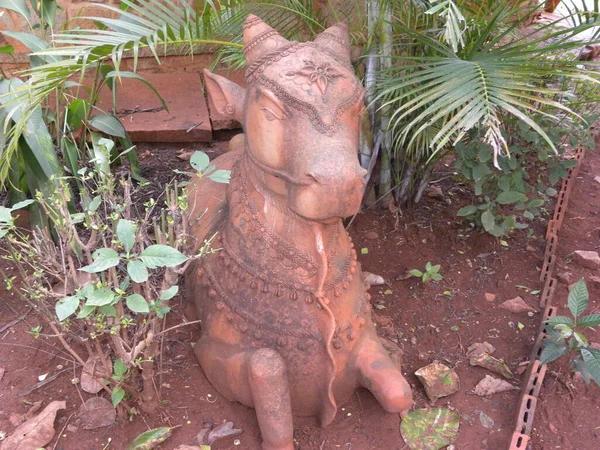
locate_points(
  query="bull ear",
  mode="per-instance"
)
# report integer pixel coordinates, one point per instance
(226, 96)
(336, 40)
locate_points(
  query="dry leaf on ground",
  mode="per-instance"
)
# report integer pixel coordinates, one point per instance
(517, 305)
(96, 412)
(490, 386)
(36, 432)
(92, 374)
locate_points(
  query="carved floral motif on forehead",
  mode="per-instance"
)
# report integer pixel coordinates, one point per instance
(315, 72)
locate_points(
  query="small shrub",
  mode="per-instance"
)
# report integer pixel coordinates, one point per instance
(102, 277)
(565, 336)
(431, 273)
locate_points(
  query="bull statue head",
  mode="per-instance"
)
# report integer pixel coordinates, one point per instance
(301, 113)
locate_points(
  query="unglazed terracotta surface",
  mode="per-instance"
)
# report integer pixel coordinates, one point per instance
(286, 317)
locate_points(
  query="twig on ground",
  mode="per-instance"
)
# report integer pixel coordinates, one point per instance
(16, 321)
(41, 384)
(61, 431)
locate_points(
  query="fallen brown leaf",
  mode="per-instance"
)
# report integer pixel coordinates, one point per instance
(36, 432)
(92, 375)
(517, 305)
(490, 386)
(96, 412)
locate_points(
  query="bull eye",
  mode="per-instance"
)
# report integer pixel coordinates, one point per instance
(269, 115)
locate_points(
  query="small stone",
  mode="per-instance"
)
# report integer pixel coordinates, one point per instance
(371, 235)
(597, 179)
(72, 428)
(565, 277)
(588, 259)
(486, 420)
(489, 297)
(373, 280)
(435, 192)
(516, 305)
(438, 380)
(595, 280)
(531, 249)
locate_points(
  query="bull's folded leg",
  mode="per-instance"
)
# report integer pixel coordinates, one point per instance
(382, 377)
(269, 387)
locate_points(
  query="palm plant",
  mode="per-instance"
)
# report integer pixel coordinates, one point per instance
(465, 65)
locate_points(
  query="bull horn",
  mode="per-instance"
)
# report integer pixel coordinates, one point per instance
(336, 41)
(260, 39)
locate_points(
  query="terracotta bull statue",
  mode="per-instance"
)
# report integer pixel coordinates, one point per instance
(286, 320)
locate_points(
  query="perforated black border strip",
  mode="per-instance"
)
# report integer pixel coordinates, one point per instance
(536, 371)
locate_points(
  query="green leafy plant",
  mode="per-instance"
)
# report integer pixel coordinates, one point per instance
(463, 71)
(565, 336)
(107, 277)
(431, 273)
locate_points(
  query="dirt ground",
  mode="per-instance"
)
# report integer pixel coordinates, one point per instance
(434, 321)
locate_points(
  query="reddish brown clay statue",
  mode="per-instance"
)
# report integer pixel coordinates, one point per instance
(286, 321)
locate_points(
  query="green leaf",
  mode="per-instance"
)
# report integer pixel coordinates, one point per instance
(435, 269)
(535, 203)
(66, 306)
(100, 297)
(480, 170)
(158, 255)
(22, 204)
(220, 176)
(86, 311)
(77, 112)
(591, 356)
(35, 44)
(117, 396)
(108, 310)
(552, 350)
(436, 276)
(150, 439)
(138, 304)
(561, 320)
(137, 271)
(488, 221)
(364, 251)
(429, 429)
(466, 211)
(119, 369)
(104, 258)
(169, 293)
(18, 6)
(126, 235)
(108, 124)
(506, 198)
(578, 298)
(94, 204)
(592, 320)
(7, 49)
(199, 161)
(416, 273)
(428, 266)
